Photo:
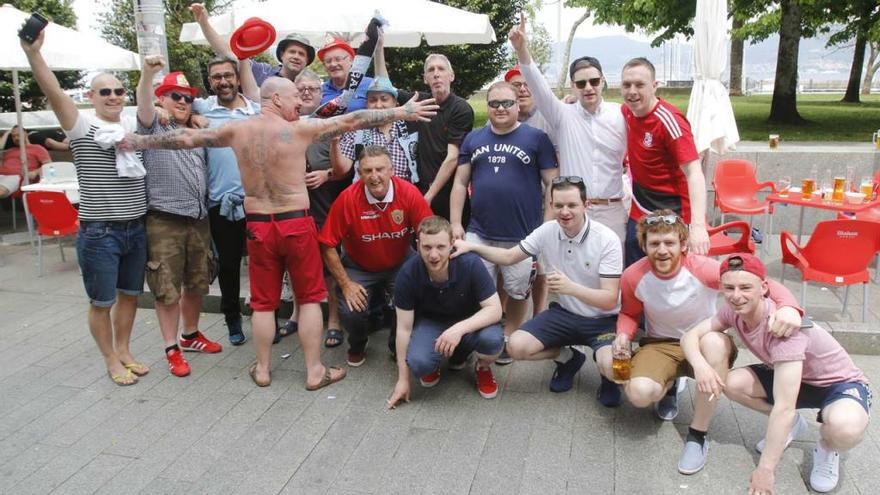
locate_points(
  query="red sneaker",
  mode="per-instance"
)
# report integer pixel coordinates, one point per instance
(176, 363)
(486, 382)
(200, 344)
(431, 379)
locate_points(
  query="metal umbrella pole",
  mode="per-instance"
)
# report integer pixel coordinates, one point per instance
(22, 148)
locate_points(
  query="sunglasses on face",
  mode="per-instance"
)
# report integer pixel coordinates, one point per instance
(105, 92)
(568, 179)
(582, 83)
(501, 103)
(177, 97)
(229, 76)
(667, 219)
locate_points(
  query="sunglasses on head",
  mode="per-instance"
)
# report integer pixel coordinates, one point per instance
(106, 91)
(177, 96)
(568, 179)
(582, 83)
(501, 103)
(667, 219)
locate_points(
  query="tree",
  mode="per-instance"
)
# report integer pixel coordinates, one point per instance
(117, 27)
(872, 66)
(858, 18)
(563, 70)
(539, 39)
(474, 65)
(737, 45)
(59, 12)
(783, 107)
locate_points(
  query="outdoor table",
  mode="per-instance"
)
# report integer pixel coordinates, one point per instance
(69, 188)
(795, 198)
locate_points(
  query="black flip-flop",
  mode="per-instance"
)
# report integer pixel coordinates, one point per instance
(335, 334)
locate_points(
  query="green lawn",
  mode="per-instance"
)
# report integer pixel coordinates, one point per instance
(828, 119)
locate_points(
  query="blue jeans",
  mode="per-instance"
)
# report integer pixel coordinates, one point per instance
(423, 359)
(112, 257)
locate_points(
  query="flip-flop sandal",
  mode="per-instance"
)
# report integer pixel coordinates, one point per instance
(252, 371)
(289, 328)
(125, 380)
(334, 334)
(139, 369)
(327, 379)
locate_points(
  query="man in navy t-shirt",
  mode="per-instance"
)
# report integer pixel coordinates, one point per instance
(445, 307)
(505, 163)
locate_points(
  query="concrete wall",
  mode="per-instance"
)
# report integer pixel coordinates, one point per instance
(795, 160)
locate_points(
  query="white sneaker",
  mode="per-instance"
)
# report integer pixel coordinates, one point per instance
(799, 426)
(826, 469)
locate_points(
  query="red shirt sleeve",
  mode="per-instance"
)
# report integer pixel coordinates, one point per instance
(335, 225)
(707, 270)
(42, 155)
(681, 147)
(781, 296)
(631, 308)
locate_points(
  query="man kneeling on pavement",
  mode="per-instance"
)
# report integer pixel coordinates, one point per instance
(809, 369)
(445, 308)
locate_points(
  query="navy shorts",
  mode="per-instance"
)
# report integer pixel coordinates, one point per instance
(112, 257)
(557, 327)
(813, 397)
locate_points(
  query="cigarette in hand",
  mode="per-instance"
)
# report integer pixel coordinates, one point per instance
(712, 397)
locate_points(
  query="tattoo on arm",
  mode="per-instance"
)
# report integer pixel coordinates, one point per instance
(180, 139)
(360, 119)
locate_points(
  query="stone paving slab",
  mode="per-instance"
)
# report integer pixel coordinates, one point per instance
(65, 428)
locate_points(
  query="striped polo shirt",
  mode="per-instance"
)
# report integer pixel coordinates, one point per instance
(104, 195)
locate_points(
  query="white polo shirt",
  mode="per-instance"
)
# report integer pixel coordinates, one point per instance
(593, 254)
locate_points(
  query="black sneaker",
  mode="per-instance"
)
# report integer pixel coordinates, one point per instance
(236, 335)
(504, 358)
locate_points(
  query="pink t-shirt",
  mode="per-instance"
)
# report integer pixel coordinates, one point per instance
(674, 304)
(825, 360)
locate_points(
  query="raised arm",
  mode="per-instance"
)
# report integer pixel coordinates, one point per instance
(219, 46)
(546, 102)
(63, 105)
(249, 87)
(379, 67)
(146, 111)
(413, 110)
(180, 139)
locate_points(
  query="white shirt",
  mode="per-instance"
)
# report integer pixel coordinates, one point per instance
(591, 146)
(591, 255)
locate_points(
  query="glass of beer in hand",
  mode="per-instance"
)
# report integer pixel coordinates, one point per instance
(621, 364)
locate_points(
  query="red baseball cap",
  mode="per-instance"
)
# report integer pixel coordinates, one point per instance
(335, 43)
(512, 72)
(252, 38)
(744, 262)
(175, 80)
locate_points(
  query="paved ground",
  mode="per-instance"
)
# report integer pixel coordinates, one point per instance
(65, 428)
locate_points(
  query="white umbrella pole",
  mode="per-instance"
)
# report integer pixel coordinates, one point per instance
(22, 143)
(22, 147)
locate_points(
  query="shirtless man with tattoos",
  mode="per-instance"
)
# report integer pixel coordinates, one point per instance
(270, 150)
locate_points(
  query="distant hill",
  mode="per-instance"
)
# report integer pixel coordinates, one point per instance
(815, 61)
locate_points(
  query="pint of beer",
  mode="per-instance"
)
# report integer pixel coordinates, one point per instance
(773, 141)
(807, 188)
(839, 189)
(621, 365)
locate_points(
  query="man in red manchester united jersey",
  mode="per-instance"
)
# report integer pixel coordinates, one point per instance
(374, 219)
(663, 159)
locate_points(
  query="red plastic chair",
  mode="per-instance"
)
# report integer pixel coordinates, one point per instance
(721, 244)
(55, 217)
(736, 186)
(869, 215)
(821, 259)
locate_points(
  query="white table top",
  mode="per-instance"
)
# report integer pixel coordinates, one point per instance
(66, 186)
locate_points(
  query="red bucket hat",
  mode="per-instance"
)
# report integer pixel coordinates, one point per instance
(175, 80)
(512, 72)
(252, 38)
(335, 43)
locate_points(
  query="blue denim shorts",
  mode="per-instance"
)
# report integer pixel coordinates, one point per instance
(112, 257)
(814, 397)
(556, 327)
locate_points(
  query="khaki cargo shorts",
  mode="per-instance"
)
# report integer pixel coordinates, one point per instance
(178, 254)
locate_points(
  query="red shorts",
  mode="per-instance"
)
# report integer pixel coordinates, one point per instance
(276, 246)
